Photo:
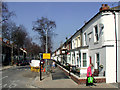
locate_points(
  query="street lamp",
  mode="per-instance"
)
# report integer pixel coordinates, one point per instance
(46, 49)
(12, 54)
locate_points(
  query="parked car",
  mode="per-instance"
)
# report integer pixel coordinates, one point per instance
(20, 63)
(26, 62)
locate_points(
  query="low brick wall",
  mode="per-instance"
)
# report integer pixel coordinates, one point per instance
(79, 80)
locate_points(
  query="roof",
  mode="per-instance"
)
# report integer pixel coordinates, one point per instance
(88, 23)
(116, 8)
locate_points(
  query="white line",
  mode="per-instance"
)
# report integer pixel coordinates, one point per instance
(12, 85)
(5, 85)
(3, 77)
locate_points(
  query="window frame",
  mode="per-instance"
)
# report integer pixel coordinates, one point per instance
(96, 33)
(85, 39)
(84, 60)
(98, 60)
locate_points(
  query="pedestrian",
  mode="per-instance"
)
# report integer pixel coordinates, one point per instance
(69, 68)
(53, 64)
(89, 75)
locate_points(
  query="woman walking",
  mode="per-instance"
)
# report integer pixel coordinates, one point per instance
(89, 75)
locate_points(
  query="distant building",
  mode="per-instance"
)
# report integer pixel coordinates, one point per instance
(116, 8)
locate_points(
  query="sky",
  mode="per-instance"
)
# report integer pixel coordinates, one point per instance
(68, 16)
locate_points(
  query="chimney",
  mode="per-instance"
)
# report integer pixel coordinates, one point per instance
(104, 7)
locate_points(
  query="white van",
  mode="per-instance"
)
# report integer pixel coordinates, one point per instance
(35, 63)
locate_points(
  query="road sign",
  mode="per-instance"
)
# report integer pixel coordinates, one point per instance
(41, 55)
(46, 56)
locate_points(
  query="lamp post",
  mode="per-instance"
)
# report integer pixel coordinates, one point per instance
(12, 55)
(46, 49)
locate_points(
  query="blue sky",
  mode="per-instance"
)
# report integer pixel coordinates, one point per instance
(69, 16)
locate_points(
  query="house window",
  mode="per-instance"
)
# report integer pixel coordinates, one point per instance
(84, 60)
(98, 60)
(73, 45)
(96, 37)
(89, 37)
(77, 59)
(78, 41)
(80, 58)
(72, 58)
(85, 39)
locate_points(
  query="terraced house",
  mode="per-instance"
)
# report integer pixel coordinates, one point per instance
(97, 42)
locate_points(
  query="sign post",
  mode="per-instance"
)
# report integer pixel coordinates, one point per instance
(40, 66)
(46, 56)
(40, 72)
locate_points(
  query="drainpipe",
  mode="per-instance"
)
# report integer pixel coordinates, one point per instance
(115, 41)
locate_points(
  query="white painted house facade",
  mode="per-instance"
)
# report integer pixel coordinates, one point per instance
(100, 36)
(95, 43)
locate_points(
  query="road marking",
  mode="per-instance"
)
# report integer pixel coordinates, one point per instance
(12, 85)
(3, 77)
(4, 85)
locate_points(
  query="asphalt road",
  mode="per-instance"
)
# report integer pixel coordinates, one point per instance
(17, 77)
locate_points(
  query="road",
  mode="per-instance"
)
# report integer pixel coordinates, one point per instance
(22, 77)
(17, 77)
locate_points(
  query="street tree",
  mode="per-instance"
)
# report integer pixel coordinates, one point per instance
(19, 35)
(7, 24)
(5, 13)
(7, 29)
(41, 25)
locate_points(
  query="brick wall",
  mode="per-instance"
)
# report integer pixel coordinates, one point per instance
(83, 81)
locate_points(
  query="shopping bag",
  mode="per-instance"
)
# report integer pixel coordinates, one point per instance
(90, 79)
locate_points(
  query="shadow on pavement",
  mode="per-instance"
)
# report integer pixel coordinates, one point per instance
(58, 74)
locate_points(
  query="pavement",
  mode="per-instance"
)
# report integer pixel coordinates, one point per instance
(6, 67)
(58, 79)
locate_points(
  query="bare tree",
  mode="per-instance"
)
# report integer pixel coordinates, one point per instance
(41, 25)
(19, 35)
(6, 14)
(7, 25)
(7, 29)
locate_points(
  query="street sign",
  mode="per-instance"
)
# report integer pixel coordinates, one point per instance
(46, 56)
(40, 56)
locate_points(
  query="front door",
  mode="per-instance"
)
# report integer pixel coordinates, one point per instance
(90, 60)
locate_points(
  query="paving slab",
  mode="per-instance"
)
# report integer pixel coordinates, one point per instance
(63, 82)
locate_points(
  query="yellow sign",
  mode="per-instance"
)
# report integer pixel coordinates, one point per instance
(46, 56)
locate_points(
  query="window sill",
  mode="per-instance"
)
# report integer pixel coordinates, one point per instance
(96, 42)
(83, 68)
